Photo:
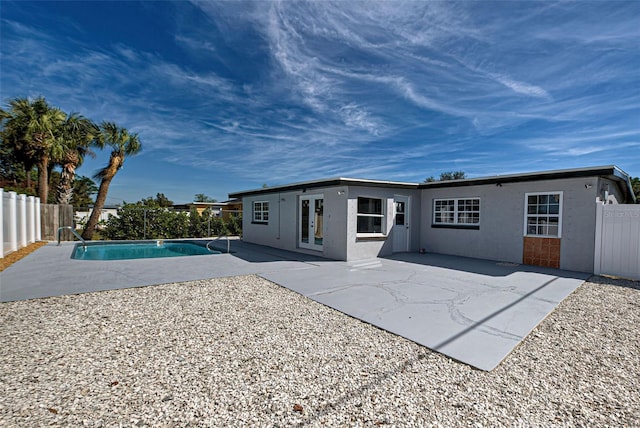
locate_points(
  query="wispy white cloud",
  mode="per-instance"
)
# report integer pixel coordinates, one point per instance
(194, 44)
(521, 87)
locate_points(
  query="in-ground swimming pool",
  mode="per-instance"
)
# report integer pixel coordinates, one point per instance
(138, 250)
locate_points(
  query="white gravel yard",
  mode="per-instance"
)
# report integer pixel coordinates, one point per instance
(243, 351)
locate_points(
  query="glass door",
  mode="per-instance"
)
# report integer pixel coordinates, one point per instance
(311, 222)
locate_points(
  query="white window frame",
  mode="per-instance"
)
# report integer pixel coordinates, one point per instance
(259, 214)
(548, 215)
(383, 216)
(456, 212)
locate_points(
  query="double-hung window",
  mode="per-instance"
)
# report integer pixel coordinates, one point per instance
(456, 212)
(370, 216)
(543, 214)
(261, 212)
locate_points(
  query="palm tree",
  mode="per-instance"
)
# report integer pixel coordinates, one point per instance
(30, 127)
(76, 135)
(83, 188)
(123, 144)
(14, 132)
(635, 185)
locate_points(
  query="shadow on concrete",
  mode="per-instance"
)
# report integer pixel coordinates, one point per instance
(492, 315)
(254, 253)
(479, 266)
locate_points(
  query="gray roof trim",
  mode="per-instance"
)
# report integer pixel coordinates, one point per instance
(609, 171)
(623, 176)
(329, 182)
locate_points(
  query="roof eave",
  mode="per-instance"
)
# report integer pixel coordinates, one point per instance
(609, 171)
(330, 182)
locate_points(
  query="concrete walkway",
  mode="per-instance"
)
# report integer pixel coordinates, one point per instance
(475, 311)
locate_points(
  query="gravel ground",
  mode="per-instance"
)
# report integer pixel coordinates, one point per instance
(243, 351)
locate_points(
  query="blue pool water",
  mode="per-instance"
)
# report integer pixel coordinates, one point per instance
(141, 250)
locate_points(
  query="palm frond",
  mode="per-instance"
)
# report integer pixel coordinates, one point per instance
(101, 173)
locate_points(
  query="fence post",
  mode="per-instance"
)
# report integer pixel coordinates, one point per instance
(22, 220)
(31, 219)
(597, 257)
(2, 223)
(12, 222)
(38, 225)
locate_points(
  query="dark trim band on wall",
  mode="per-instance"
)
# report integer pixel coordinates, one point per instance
(260, 222)
(371, 238)
(455, 226)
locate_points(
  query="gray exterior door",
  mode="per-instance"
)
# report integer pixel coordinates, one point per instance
(401, 228)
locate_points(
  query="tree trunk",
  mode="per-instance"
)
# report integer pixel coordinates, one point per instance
(43, 179)
(115, 163)
(28, 168)
(65, 187)
(101, 198)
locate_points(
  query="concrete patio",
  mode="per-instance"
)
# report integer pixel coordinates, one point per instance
(475, 311)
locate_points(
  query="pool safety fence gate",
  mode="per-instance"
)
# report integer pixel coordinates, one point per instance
(20, 215)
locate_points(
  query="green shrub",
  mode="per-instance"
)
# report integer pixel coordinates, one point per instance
(135, 221)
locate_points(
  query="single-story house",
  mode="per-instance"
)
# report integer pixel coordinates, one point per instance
(226, 209)
(82, 215)
(542, 218)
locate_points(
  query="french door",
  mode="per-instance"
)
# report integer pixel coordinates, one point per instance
(310, 222)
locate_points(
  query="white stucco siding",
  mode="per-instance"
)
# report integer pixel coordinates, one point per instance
(282, 229)
(262, 233)
(360, 248)
(335, 226)
(340, 238)
(578, 228)
(501, 229)
(495, 238)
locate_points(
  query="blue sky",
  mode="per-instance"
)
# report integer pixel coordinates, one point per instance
(226, 96)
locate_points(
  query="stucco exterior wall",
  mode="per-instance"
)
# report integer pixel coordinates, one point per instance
(366, 248)
(282, 229)
(257, 233)
(340, 240)
(500, 235)
(501, 232)
(335, 228)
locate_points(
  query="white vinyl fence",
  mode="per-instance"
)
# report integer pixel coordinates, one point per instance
(20, 216)
(617, 250)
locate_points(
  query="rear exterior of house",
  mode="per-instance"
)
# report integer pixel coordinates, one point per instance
(545, 219)
(341, 219)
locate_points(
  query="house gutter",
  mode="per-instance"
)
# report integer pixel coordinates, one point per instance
(332, 182)
(608, 171)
